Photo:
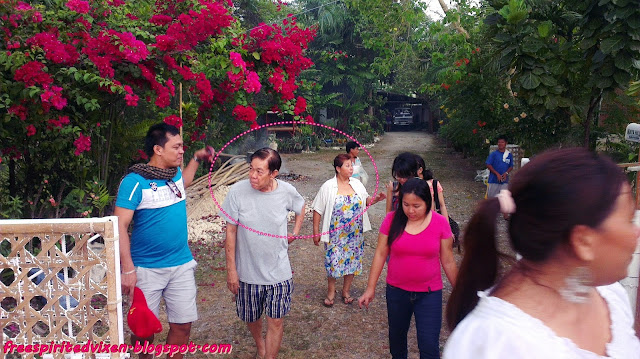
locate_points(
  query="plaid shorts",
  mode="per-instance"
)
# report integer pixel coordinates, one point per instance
(254, 299)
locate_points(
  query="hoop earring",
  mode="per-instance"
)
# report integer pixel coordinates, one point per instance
(577, 285)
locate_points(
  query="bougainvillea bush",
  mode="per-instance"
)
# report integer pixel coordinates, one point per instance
(80, 81)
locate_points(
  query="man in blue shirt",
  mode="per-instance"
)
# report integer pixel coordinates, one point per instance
(500, 164)
(156, 258)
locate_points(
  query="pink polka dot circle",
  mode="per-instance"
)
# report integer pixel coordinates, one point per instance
(375, 192)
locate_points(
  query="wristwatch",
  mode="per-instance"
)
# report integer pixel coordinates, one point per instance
(195, 158)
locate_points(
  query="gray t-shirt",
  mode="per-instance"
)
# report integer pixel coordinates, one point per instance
(262, 259)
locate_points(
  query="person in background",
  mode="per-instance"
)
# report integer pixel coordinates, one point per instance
(258, 268)
(571, 223)
(156, 258)
(353, 149)
(341, 202)
(427, 175)
(404, 167)
(418, 241)
(500, 164)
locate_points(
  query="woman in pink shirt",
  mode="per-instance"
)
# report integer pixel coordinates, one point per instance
(417, 241)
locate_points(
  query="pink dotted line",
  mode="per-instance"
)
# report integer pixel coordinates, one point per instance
(375, 192)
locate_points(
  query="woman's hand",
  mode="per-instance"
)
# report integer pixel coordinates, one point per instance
(316, 239)
(366, 298)
(380, 197)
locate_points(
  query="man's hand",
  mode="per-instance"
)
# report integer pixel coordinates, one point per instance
(233, 283)
(128, 283)
(316, 239)
(205, 154)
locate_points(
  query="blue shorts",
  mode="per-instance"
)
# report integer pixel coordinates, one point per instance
(254, 299)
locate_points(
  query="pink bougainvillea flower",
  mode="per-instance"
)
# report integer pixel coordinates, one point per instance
(160, 20)
(60, 122)
(244, 113)
(301, 105)
(309, 119)
(23, 6)
(79, 6)
(53, 96)
(82, 143)
(32, 74)
(237, 61)
(173, 120)
(31, 130)
(252, 83)
(132, 100)
(141, 155)
(54, 49)
(36, 17)
(19, 111)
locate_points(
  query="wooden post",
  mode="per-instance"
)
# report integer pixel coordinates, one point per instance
(637, 319)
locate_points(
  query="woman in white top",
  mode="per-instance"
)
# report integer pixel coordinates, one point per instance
(341, 202)
(571, 221)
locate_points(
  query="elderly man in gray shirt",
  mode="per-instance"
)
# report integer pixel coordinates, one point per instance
(258, 269)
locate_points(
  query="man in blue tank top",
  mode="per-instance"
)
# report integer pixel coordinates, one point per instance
(156, 258)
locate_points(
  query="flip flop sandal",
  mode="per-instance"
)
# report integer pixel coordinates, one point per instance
(328, 302)
(347, 299)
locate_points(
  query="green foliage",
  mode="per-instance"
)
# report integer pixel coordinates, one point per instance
(11, 207)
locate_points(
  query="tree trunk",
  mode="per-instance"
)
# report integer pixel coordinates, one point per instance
(594, 102)
(456, 23)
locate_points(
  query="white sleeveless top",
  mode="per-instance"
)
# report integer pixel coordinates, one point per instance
(498, 329)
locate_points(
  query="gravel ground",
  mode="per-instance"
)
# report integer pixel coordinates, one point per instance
(311, 330)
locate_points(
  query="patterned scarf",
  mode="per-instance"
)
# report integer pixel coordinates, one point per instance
(151, 172)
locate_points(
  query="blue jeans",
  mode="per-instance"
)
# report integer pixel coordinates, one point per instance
(427, 308)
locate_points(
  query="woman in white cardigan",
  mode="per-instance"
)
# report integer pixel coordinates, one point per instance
(340, 203)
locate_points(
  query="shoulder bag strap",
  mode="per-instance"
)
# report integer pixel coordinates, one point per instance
(436, 198)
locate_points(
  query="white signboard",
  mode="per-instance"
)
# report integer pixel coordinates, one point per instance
(633, 132)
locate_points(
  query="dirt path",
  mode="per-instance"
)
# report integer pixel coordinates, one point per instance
(344, 331)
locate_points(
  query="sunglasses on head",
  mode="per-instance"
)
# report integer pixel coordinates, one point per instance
(174, 188)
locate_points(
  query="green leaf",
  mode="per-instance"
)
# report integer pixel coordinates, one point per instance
(544, 29)
(622, 61)
(621, 3)
(604, 83)
(636, 63)
(551, 103)
(622, 78)
(548, 80)
(612, 44)
(529, 80)
(564, 102)
(531, 46)
(256, 55)
(77, 76)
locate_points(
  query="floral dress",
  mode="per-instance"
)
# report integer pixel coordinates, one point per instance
(345, 247)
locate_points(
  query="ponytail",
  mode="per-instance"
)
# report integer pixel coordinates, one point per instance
(479, 267)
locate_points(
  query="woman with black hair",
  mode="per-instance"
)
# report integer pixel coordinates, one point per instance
(404, 167)
(571, 220)
(340, 207)
(418, 241)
